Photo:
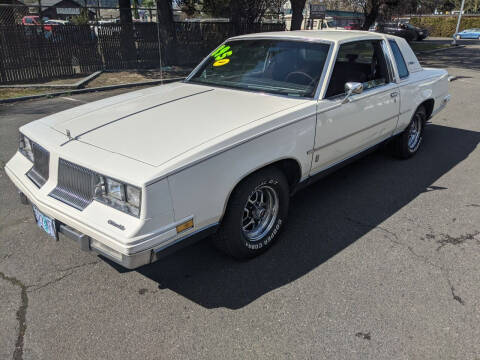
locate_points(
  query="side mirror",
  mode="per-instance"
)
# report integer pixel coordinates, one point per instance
(352, 88)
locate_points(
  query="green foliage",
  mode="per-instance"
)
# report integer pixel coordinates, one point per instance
(445, 25)
(81, 19)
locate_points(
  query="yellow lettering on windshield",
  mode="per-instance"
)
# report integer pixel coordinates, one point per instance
(220, 55)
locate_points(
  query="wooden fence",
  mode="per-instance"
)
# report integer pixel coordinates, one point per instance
(33, 54)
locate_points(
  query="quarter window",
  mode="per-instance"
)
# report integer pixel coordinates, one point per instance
(401, 65)
(359, 61)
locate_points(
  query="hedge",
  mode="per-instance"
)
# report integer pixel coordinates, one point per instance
(444, 26)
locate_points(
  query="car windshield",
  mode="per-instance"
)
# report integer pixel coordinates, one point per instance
(285, 67)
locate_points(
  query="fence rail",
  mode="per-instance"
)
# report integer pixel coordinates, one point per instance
(33, 53)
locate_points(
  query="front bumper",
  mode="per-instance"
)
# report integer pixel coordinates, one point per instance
(86, 243)
(109, 241)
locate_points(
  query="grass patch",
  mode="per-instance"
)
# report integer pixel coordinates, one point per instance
(8, 93)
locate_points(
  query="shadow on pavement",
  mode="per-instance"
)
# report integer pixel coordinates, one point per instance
(466, 57)
(325, 218)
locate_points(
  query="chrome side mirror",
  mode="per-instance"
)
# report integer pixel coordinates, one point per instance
(352, 88)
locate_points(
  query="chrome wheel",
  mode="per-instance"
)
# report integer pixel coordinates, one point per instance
(260, 212)
(415, 133)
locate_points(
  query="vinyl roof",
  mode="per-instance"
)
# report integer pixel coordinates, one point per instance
(327, 35)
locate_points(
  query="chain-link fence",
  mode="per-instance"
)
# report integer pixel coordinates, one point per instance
(67, 38)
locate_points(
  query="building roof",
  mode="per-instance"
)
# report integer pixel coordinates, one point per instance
(319, 35)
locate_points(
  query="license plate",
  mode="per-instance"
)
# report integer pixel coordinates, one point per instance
(46, 223)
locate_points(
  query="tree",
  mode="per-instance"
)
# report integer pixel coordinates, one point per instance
(167, 30)
(125, 11)
(447, 6)
(149, 4)
(297, 14)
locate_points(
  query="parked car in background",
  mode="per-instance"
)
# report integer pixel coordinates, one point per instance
(31, 20)
(134, 176)
(468, 34)
(50, 24)
(422, 33)
(398, 29)
(353, 26)
(33, 26)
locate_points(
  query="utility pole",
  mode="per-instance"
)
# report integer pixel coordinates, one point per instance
(454, 42)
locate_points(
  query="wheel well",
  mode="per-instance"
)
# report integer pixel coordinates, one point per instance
(291, 169)
(428, 105)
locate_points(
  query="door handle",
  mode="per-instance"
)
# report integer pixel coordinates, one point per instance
(394, 94)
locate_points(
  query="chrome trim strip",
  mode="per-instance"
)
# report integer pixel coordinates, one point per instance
(388, 59)
(326, 67)
(349, 135)
(441, 107)
(345, 159)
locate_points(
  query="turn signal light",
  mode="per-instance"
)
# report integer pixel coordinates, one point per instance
(185, 226)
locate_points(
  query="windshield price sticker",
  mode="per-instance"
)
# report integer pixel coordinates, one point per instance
(221, 54)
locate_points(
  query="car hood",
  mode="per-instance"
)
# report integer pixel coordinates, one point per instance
(157, 124)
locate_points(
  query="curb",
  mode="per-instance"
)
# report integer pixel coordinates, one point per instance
(77, 85)
(441, 49)
(82, 91)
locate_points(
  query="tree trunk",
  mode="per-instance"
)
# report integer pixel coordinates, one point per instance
(236, 17)
(125, 12)
(127, 45)
(297, 14)
(371, 11)
(168, 38)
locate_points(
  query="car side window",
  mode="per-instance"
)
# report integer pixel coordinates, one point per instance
(358, 61)
(401, 65)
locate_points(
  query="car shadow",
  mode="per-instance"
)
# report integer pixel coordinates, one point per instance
(324, 219)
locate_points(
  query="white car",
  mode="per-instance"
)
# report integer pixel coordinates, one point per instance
(135, 176)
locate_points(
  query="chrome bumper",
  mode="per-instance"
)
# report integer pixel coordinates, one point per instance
(133, 261)
(86, 243)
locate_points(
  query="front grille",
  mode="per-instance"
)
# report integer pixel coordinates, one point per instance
(76, 185)
(41, 160)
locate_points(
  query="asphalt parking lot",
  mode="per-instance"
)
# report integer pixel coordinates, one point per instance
(381, 260)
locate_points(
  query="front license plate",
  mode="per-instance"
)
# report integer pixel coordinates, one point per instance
(45, 222)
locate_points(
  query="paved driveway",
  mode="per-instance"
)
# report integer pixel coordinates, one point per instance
(381, 260)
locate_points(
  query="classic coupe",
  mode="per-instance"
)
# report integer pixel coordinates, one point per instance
(136, 176)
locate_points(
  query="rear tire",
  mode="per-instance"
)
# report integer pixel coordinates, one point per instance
(256, 212)
(406, 144)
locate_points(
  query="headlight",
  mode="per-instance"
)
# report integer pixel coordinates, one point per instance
(121, 196)
(25, 147)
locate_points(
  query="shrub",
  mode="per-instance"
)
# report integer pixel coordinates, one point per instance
(444, 26)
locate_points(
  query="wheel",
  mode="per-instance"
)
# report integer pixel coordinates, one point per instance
(256, 212)
(407, 143)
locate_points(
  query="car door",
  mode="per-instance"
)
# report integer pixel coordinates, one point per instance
(345, 129)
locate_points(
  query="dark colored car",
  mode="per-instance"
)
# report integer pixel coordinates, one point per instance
(421, 33)
(406, 31)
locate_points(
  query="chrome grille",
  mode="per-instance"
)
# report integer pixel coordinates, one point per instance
(41, 160)
(76, 185)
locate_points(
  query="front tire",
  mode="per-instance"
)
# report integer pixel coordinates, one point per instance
(406, 144)
(256, 212)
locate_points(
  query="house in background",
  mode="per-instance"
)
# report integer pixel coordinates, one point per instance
(64, 9)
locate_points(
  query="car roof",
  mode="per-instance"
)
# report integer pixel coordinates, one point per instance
(319, 35)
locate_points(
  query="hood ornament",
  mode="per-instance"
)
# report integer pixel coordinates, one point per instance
(68, 135)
